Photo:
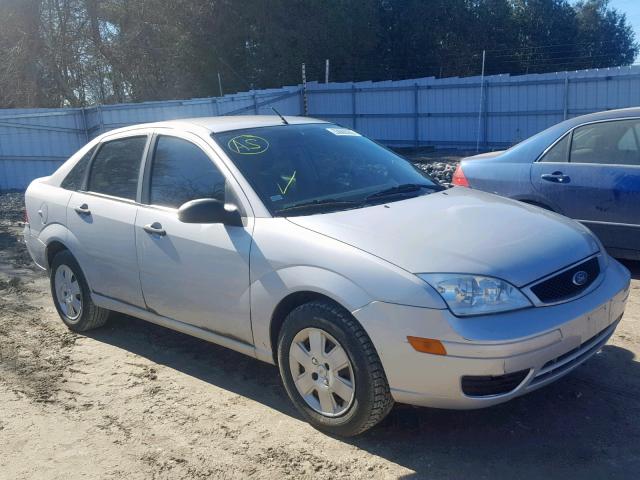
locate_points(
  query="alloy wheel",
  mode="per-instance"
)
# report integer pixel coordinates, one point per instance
(322, 372)
(68, 292)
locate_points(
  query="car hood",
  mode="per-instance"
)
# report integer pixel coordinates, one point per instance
(461, 230)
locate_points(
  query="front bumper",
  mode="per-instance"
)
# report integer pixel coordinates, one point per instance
(544, 342)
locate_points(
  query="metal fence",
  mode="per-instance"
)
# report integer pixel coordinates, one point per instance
(494, 112)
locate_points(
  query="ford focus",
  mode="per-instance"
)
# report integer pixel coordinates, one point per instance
(306, 245)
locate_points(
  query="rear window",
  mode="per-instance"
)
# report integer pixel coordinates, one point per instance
(608, 143)
(116, 167)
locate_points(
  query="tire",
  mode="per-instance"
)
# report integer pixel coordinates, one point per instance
(67, 281)
(350, 413)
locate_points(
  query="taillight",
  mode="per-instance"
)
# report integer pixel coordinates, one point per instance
(459, 178)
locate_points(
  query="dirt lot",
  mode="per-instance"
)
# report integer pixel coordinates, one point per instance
(133, 400)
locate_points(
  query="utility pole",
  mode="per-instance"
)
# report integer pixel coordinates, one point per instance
(484, 52)
(305, 106)
(326, 71)
(220, 84)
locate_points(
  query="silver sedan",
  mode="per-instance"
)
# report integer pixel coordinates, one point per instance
(304, 244)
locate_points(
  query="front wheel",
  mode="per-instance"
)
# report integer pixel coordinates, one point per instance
(331, 370)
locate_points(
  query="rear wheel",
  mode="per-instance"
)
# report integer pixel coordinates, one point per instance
(71, 295)
(331, 370)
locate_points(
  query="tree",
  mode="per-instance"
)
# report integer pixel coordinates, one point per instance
(604, 36)
(84, 52)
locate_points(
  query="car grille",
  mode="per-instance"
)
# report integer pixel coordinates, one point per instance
(561, 286)
(483, 386)
(574, 357)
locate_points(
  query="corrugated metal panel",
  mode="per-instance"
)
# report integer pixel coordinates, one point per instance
(425, 111)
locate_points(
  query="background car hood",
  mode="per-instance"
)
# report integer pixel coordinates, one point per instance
(461, 230)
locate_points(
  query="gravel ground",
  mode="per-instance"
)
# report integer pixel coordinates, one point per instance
(439, 164)
(133, 400)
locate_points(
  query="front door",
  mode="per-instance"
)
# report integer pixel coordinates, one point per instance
(194, 273)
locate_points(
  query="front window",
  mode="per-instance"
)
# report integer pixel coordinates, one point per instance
(181, 172)
(313, 168)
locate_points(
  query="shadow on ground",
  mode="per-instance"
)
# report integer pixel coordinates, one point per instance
(583, 426)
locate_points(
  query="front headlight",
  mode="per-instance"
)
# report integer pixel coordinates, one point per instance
(476, 295)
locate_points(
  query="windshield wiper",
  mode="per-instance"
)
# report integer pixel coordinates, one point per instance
(402, 188)
(318, 204)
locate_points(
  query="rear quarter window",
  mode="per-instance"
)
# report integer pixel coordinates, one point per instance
(75, 177)
(559, 152)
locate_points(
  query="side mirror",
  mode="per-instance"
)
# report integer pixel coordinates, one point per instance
(209, 210)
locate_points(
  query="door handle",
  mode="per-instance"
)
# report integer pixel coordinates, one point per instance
(556, 177)
(83, 209)
(154, 229)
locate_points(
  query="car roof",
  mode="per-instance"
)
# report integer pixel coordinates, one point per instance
(604, 115)
(531, 148)
(222, 123)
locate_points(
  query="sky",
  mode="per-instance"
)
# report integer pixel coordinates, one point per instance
(632, 9)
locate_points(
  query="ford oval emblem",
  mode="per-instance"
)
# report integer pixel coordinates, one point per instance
(580, 278)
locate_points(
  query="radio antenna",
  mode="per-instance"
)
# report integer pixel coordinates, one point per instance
(280, 115)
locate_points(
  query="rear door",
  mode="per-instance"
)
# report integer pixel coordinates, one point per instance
(194, 273)
(102, 218)
(593, 175)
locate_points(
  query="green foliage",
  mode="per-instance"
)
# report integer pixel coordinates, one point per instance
(83, 52)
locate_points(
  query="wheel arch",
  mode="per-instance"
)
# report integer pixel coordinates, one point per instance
(278, 292)
(286, 306)
(52, 249)
(56, 238)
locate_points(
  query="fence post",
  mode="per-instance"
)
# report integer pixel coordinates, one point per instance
(84, 124)
(354, 112)
(100, 119)
(214, 109)
(485, 120)
(220, 84)
(305, 105)
(566, 95)
(484, 53)
(416, 110)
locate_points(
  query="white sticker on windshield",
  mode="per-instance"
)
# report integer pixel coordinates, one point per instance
(343, 132)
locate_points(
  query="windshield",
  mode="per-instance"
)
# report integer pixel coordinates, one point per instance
(315, 168)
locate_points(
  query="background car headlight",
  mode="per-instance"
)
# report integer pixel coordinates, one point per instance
(476, 294)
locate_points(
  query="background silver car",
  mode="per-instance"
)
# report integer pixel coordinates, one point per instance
(304, 244)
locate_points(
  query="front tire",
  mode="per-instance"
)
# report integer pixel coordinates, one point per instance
(331, 371)
(71, 295)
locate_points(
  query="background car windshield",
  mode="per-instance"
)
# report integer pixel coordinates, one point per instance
(292, 164)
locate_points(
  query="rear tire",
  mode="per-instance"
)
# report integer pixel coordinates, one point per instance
(340, 386)
(71, 295)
